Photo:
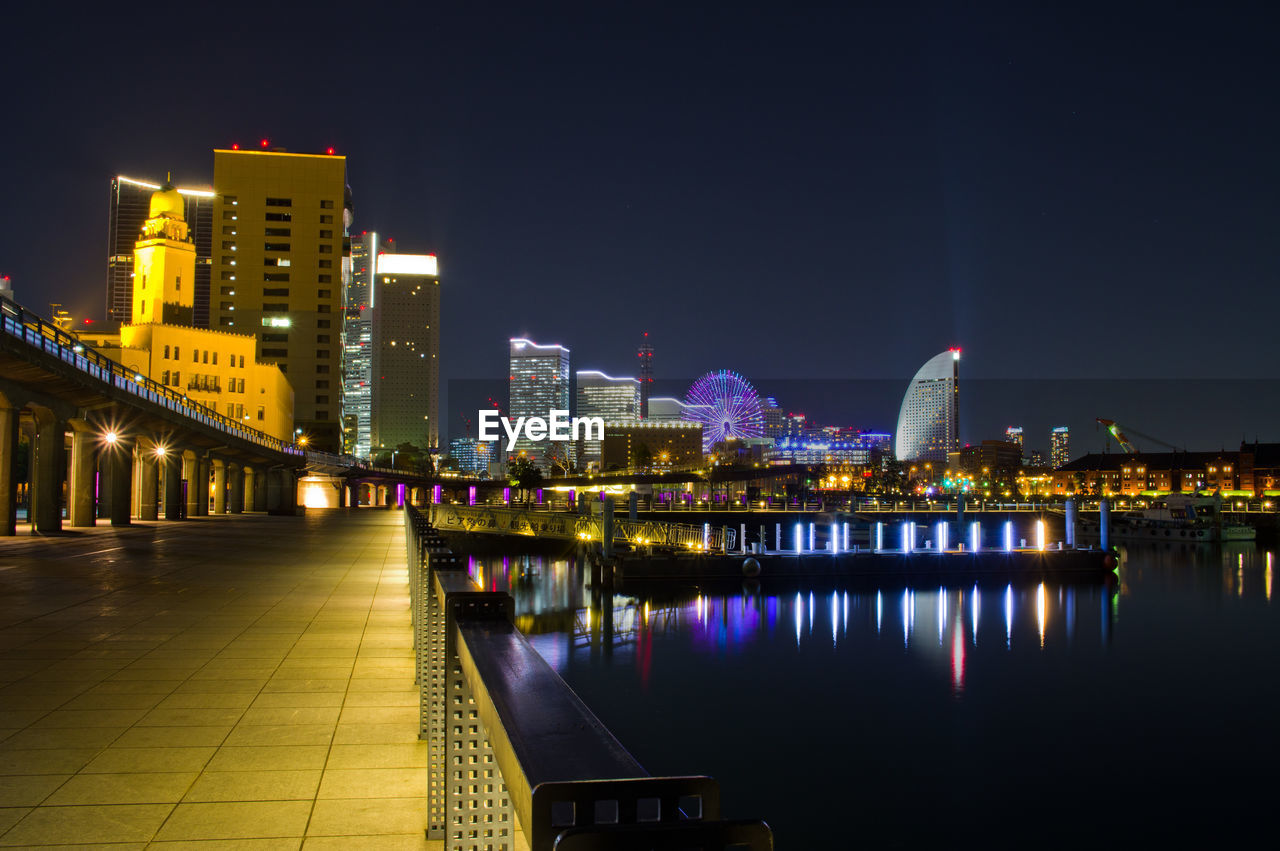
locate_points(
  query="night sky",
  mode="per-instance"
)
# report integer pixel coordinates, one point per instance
(796, 194)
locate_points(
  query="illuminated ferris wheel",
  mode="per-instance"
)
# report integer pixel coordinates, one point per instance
(727, 406)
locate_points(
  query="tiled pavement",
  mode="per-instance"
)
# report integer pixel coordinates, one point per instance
(226, 682)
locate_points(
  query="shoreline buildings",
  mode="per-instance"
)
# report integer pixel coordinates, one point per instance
(538, 383)
(929, 420)
(404, 303)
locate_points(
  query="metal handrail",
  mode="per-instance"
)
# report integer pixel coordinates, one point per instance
(567, 527)
(508, 739)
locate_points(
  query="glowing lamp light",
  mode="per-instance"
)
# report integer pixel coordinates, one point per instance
(329, 151)
(235, 146)
(799, 540)
(975, 536)
(111, 437)
(160, 451)
(264, 143)
(1008, 536)
(1040, 535)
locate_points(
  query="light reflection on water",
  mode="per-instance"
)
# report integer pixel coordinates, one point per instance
(846, 686)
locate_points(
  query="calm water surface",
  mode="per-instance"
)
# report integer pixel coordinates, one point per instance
(1040, 715)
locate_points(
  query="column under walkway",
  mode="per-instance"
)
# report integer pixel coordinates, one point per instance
(238, 679)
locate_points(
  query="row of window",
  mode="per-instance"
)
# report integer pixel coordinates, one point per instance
(198, 356)
(234, 200)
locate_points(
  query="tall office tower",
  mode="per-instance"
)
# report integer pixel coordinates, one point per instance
(129, 206)
(775, 421)
(357, 375)
(1059, 446)
(645, 355)
(614, 400)
(668, 409)
(929, 420)
(277, 272)
(538, 383)
(1013, 434)
(405, 303)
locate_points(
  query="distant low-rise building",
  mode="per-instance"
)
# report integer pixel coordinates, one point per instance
(1151, 473)
(651, 444)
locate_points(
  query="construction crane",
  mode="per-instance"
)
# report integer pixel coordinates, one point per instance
(1118, 432)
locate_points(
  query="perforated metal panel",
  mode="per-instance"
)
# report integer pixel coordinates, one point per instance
(480, 816)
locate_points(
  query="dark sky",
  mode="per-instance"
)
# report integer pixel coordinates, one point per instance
(794, 193)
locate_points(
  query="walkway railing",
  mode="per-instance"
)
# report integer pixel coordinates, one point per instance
(568, 527)
(22, 324)
(512, 747)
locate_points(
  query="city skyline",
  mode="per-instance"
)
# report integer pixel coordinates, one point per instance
(1048, 194)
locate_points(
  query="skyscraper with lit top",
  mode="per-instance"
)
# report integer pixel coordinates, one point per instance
(929, 420)
(1059, 446)
(538, 384)
(612, 399)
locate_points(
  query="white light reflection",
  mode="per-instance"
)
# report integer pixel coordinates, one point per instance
(942, 613)
(811, 607)
(906, 617)
(835, 617)
(1008, 615)
(974, 607)
(1041, 605)
(799, 612)
(1240, 575)
(957, 657)
(879, 610)
(846, 611)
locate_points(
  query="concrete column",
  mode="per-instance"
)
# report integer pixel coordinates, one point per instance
(235, 497)
(204, 461)
(148, 482)
(191, 473)
(250, 489)
(171, 464)
(83, 486)
(342, 494)
(275, 491)
(117, 462)
(8, 470)
(50, 459)
(290, 485)
(219, 486)
(261, 480)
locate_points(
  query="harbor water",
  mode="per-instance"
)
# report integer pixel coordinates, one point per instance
(1043, 714)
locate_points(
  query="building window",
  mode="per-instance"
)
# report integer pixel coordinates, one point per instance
(278, 232)
(231, 199)
(275, 277)
(322, 354)
(215, 358)
(279, 202)
(324, 279)
(277, 291)
(279, 217)
(231, 359)
(324, 293)
(322, 400)
(225, 305)
(195, 356)
(262, 413)
(326, 264)
(166, 352)
(176, 353)
(275, 307)
(177, 378)
(178, 283)
(322, 384)
(275, 353)
(322, 308)
(242, 361)
(326, 205)
(275, 246)
(226, 320)
(320, 338)
(326, 220)
(326, 249)
(228, 230)
(240, 385)
(326, 234)
(206, 355)
(164, 377)
(228, 215)
(322, 369)
(275, 338)
(227, 276)
(322, 323)
(228, 260)
(322, 415)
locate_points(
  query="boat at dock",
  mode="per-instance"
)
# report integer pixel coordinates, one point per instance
(1184, 518)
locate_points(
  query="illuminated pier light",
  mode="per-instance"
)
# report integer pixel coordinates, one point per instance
(975, 536)
(943, 529)
(1041, 606)
(1008, 615)
(1040, 535)
(1008, 536)
(975, 606)
(798, 538)
(879, 536)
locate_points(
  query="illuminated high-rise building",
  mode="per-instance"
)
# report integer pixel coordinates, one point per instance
(405, 326)
(775, 420)
(1059, 446)
(128, 211)
(614, 400)
(538, 384)
(929, 420)
(644, 356)
(1013, 434)
(357, 374)
(668, 409)
(278, 272)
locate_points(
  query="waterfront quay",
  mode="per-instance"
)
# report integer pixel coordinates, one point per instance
(237, 681)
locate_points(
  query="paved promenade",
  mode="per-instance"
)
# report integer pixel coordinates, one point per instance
(226, 682)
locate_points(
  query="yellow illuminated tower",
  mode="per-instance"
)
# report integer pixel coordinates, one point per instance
(278, 252)
(164, 263)
(217, 369)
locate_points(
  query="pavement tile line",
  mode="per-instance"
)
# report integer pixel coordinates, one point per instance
(192, 650)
